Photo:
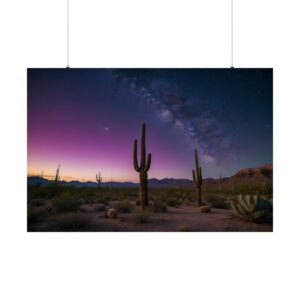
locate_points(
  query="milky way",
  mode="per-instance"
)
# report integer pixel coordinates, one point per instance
(195, 115)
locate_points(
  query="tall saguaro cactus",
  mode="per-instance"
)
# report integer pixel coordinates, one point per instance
(142, 168)
(99, 179)
(197, 178)
(221, 183)
(57, 178)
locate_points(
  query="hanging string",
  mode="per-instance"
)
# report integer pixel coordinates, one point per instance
(68, 32)
(232, 34)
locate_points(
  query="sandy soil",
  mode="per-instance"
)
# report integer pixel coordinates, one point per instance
(184, 218)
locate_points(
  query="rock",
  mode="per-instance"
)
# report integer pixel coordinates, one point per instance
(204, 209)
(112, 214)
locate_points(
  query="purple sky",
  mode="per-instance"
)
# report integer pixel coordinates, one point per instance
(87, 120)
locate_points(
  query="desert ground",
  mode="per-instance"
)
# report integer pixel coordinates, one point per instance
(88, 209)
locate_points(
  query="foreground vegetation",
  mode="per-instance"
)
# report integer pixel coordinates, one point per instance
(68, 208)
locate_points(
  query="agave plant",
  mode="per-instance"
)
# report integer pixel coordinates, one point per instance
(251, 208)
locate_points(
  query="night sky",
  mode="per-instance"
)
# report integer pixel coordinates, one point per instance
(87, 120)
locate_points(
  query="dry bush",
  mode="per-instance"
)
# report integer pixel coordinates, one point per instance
(158, 206)
(140, 217)
(100, 207)
(71, 222)
(217, 201)
(36, 214)
(124, 206)
(66, 202)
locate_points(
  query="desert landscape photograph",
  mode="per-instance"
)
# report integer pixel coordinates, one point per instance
(149, 150)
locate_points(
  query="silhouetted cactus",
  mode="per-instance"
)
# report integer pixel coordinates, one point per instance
(180, 191)
(142, 168)
(197, 178)
(99, 179)
(40, 179)
(110, 185)
(221, 183)
(57, 178)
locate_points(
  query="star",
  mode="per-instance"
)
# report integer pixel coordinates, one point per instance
(106, 128)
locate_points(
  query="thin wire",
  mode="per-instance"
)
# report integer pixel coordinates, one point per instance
(68, 33)
(232, 34)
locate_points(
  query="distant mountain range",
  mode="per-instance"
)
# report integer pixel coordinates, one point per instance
(247, 176)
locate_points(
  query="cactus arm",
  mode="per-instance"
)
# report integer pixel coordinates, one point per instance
(194, 177)
(148, 164)
(143, 148)
(135, 160)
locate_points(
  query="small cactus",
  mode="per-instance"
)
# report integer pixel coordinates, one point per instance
(112, 214)
(180, 191)
(99, 179)
(39, 180)
(142, 168)
(251, 208)
(197, 178)
(204, 209)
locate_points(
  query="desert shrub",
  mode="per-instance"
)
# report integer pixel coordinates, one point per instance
(173, 201)
(44, 192)
(66, 202)
(132, 194)
(37, 202)
(113, 197)
(140, 217)
(36, 214)
(217, 201)
(158, 206)
(124, 206)
(71, 222)
(189, 194)
(100, 207)
(102, 200)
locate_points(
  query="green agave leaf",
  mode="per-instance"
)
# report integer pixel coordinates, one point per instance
(244, 204)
